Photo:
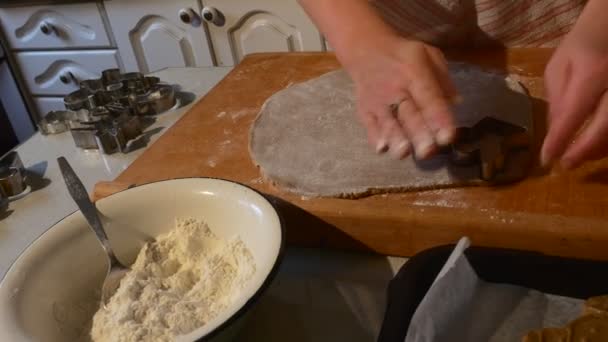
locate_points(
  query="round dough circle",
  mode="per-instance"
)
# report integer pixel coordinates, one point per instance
(306, 138)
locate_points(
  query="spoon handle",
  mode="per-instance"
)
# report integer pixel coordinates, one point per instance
(88, 209)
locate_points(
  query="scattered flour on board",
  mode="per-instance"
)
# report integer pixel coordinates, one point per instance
(221, 115)
(258, 180)
(178, 283)
(240, 113)
(441, 203)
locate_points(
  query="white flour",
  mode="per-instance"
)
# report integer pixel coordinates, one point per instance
(177, 284)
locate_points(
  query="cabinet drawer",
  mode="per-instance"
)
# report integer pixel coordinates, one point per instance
(58, 72)
(56, 26)
(47, 104)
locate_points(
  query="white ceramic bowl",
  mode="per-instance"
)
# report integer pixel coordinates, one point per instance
(48, 293)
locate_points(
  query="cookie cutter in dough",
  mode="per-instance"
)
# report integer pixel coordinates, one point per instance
(489, 144)
(12, 175)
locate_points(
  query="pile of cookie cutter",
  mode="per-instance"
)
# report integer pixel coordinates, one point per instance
(105, 113)
(12, 177)
(488, 144)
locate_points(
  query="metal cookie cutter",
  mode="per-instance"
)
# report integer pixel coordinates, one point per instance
(159, 99)
(83, 99)
(54, 122)
(489, 143)
(107, 135)
(111, 76)
(92, 85)
(12, 175)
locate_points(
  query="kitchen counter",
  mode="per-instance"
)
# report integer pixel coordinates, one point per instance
(319, 295)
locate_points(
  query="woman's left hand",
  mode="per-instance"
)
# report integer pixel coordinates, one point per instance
(576, 80)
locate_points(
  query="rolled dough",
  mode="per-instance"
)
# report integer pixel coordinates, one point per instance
(307, 140)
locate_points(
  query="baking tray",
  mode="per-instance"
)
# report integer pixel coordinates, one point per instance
(569, 277)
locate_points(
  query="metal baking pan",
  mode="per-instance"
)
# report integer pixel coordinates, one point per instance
(569, 277)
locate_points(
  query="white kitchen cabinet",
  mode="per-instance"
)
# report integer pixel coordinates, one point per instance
(240, 27)
(59, 72)
(155, 34)
(57, 26)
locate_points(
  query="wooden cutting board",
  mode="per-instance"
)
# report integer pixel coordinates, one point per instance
(560, 213)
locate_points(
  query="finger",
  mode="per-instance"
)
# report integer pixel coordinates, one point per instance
(392, 132)
(432, 102)
(416, 129)
(370, 122)
(579, 99)
(443, 75)
(556, 78)
(590, 143)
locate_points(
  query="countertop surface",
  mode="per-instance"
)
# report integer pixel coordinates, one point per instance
(319, 295)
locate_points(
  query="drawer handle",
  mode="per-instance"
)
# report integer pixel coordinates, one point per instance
(214, 16)
(189, 16)
(67, 77)
(46, 28)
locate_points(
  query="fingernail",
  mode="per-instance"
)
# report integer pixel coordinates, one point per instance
(445, 136)
(545, 158)
(381, 146)
(401, 150)
(424, 148)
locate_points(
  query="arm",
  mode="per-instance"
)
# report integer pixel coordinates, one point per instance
(357, 23)
(576, 80)
(402, 86)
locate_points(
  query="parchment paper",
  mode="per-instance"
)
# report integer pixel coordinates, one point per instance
(461, 307)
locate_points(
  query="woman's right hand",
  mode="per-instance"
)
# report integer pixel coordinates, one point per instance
(404, 93)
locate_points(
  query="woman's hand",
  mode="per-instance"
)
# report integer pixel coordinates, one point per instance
(403, 87)
(576, 80)
(403, 94)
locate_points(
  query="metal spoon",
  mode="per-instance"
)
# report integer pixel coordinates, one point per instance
(116, 270)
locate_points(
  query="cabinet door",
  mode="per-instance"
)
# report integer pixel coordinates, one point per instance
(59, 72)
(156, 34)
(240, 27)
(56, 26)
